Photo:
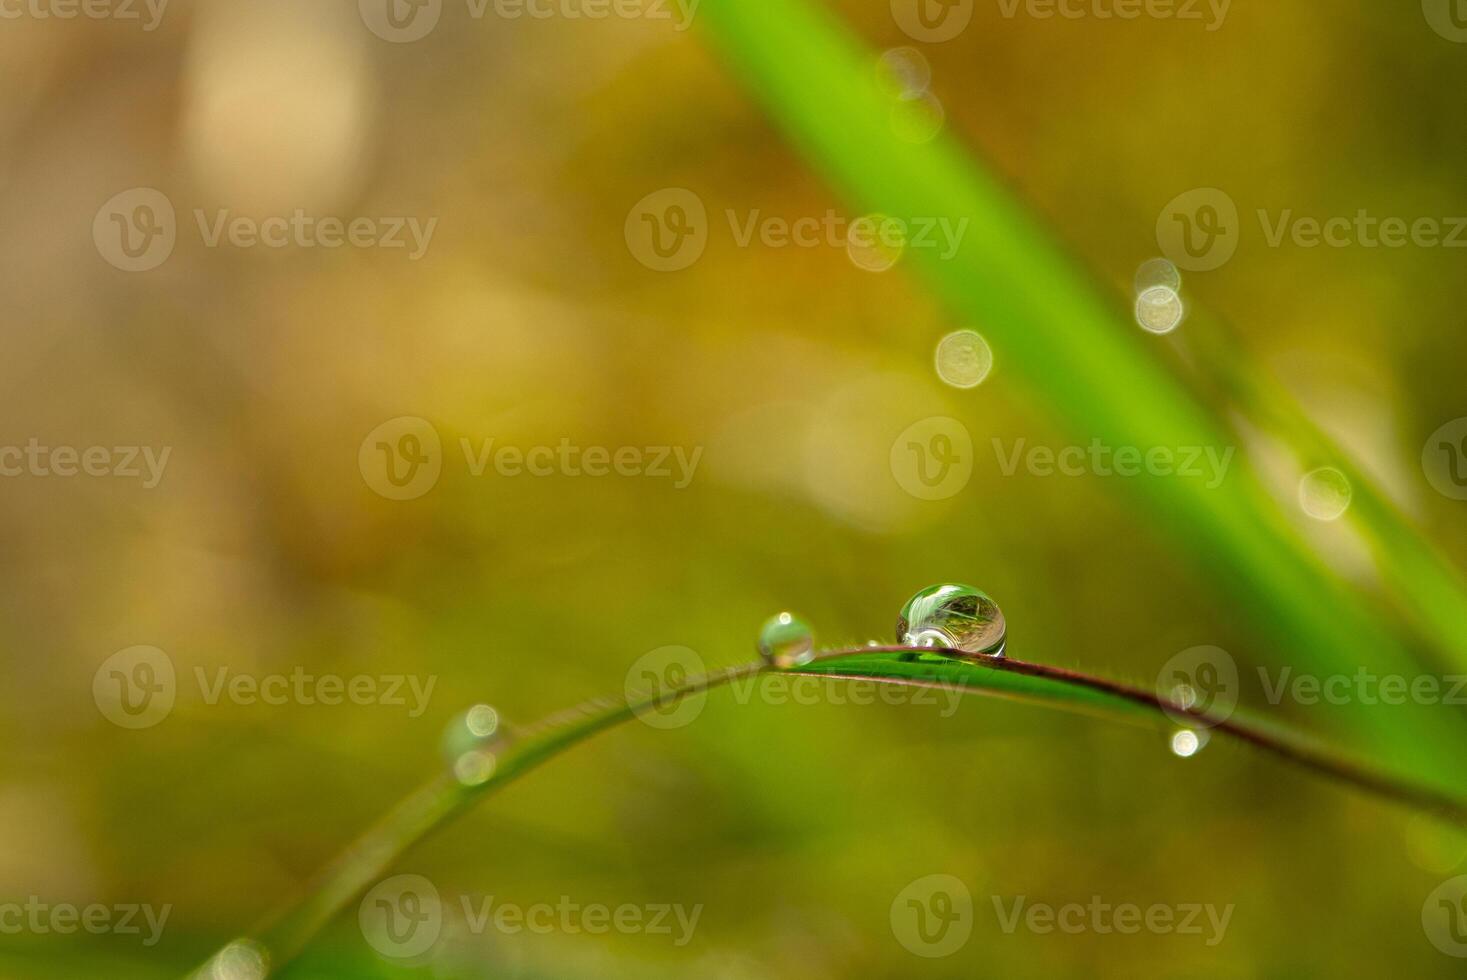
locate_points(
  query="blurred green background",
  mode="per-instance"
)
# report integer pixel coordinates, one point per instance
(530, 320)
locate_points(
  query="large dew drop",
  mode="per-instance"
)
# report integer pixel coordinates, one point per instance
(956, 616)
(786, 641)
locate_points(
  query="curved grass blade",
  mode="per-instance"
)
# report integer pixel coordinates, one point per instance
(438, 801)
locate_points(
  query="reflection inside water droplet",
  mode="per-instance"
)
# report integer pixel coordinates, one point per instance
(475, 767)
(903, 72)
(1157, 272)
(874, 242)
(786, 641)
(964, 359)
(917, 118)
(469, 743)
(956, 616)
(1325, 494)
(243, 959)
(1159, 309)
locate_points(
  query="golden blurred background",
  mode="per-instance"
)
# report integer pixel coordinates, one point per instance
(515, 148)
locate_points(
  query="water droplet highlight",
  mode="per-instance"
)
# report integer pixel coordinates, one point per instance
(1159, 309)
(956, 616)
(474, 768)
(243, 959)
(964, 359)
(469, 743)
(874, 242)
(1187, 742)
(903, 72)
(786, 641)
(1157, 272)
(917, 118)
(1325, 493)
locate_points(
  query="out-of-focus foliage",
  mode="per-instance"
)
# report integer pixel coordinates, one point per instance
(529, 321)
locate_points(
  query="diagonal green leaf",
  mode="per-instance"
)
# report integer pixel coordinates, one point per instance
(1077, 347)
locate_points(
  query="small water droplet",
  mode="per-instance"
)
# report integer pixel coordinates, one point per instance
(474, 767)
(874, 242)
(917, 118)
(786, 641)
(903, 72)
(1325, 493)
(1157, 272)
(956, 616)
(469, 741)
(1187, 742)
(1159, 309)
(964, 359)
(243, 959)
